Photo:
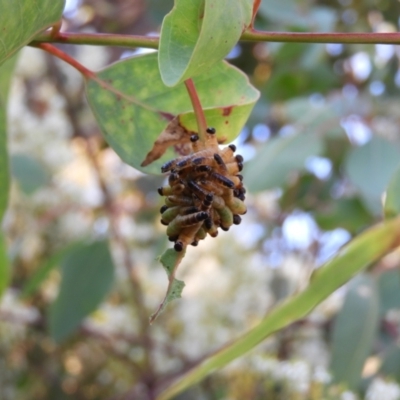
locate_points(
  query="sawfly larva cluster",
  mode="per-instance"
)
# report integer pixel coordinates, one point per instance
(204, 192)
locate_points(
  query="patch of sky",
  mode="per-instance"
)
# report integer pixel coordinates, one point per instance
(361, 65)
(376, 88)
(357, 131)
(101, 226)
(299, 230)
(349, 91)
(321, 167)
(384, 52)
(349, 16)
(245, 149)
(235, 52)
(316, 99)
(331, 242)
(71, 8)
(287, 130)
(273, 249)
(334, 49)
(136, 52)
(261, 132)
(251, 233)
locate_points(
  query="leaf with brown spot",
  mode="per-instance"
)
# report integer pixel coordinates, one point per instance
(140, 106)
(174, 134)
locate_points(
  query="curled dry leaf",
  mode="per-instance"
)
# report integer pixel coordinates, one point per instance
(173, 135)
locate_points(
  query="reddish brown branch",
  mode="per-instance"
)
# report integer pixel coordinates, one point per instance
(67, 58)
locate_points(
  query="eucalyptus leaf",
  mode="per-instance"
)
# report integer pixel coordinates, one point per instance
(352, 258)
(140, 106)
(370, 168)
(391, 362)
(6, 72)
(87, 277)
(170, 260)
(349, 214)
(294, 13)
(353, 337)
(278, 158)
(43, 271)
(29, 172)
(22, 20)
(389, 290)
(392, 200)
(197, 34)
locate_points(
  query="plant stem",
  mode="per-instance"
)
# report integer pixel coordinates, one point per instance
(99, 39)
(90, 74)
(316, 37)
(198, 109)
(67, 58)
(252, 35)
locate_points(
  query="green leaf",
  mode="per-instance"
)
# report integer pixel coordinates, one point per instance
(197, 34)
(392, 201)
(288, 80)
(39, 276)
(295, 13)
(132, 121)
(29, 172)
(355, 256)
(4, 265)
(22, 20)
(170, 260)
(6, 72)
(321, 118)
(391, 362)
(389, 290)
(370, 168)
(349, 214)
(87, 277)
(353, 337)
(278, 158)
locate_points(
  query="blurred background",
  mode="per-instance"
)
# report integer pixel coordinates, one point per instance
(320, 148)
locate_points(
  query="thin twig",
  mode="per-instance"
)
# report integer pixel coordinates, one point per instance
(319, 37)
(99, 39)
(67, 58)
(134, 41)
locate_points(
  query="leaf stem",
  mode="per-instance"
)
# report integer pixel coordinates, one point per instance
(67, 58)
(256, 5)
(252, 35)
(198, 109)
